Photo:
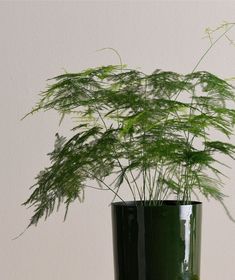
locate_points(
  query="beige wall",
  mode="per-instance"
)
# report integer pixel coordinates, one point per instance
(37, 41)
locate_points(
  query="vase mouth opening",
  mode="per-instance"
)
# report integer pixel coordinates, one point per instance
(154, 203)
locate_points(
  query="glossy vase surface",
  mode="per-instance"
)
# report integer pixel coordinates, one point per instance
(156, 242)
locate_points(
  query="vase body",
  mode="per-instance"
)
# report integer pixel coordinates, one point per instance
(153, 242)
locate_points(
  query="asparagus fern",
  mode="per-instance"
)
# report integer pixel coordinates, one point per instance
(150, 133)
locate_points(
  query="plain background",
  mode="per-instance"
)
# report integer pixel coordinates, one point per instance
(38, 41)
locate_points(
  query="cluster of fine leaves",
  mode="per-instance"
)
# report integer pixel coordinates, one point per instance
(148, 133)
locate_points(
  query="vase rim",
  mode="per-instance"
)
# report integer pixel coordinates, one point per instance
(166, 203)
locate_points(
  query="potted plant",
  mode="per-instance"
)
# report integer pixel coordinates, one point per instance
(150, 133)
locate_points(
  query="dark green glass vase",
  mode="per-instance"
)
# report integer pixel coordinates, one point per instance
(156, 242)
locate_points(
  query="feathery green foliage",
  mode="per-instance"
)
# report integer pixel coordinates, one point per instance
(151, 132)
